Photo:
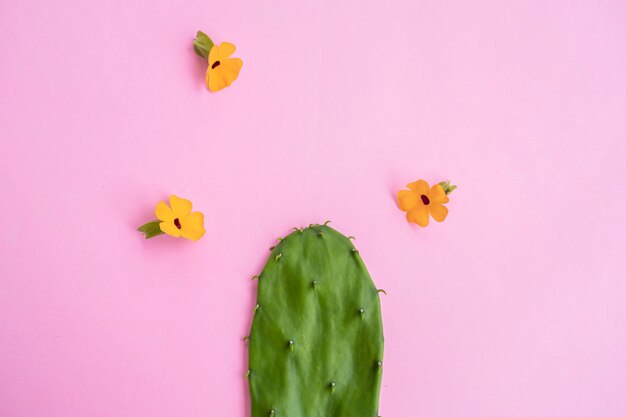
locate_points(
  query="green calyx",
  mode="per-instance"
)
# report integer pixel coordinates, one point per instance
(447, 187)
(316, 343)
(151, 229)
(202, 44)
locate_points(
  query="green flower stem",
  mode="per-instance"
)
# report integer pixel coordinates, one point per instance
(202, 44)
(151, 229)
(447, 187)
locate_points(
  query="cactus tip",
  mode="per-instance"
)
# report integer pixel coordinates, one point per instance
(381, 290)
(280, 255)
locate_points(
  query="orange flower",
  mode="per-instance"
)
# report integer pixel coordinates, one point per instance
(177, 220)
(421, 201)
(222, 70)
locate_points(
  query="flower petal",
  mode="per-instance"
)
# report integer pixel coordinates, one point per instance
(224, 74)
(207, 77)
(180, 207)
(438, 212)
(169, 229)
(214, 55)
(407, 200)
(193, 226)
(420, 187)
(163, 212)
(226, 50)
(418, 215)
(231, 68)
(216, 81)
(437, 195)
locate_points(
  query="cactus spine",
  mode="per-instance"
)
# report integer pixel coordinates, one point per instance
(316, 344)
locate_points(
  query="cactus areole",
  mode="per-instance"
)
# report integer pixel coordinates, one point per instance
(316, 344)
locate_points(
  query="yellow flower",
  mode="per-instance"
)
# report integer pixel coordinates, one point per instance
(222, 70)
(178, 220)
(420, 200)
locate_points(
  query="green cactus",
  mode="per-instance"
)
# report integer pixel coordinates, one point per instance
(316, 345)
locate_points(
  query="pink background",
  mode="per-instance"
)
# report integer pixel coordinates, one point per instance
(515, 306)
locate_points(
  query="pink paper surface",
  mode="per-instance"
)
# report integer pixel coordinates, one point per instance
(514, 306)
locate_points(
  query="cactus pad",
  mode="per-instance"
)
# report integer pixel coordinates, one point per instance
(316, 344)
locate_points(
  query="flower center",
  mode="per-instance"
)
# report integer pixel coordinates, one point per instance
(215, 64)
(425, 200)
(177, 223)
